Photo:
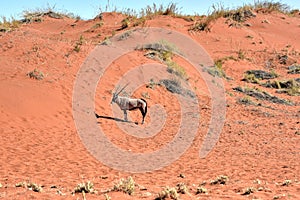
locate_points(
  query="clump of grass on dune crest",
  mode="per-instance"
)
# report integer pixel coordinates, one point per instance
(9, 25)
(136, 18)
(271, 6)
(240, 14)
(154, 10)
(30, 16)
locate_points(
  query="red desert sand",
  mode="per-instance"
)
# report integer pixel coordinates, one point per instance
(257, 154)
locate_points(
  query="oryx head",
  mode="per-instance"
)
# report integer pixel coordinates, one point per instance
(116, 94)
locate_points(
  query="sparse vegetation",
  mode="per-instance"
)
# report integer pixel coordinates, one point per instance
(201, 190)
(182, 188)
(291, 86)
(262, 75)
(248, 191)
(78, 44)
(271, 6)
(235, 17)
(256, 76)
(286, 183)
(152, 84)
(107, 197)
(217, 69)
(106, 41)
(125, 23)
(246, 100)
(168, 193)
(36, 74)
(262, 95)
(251, 78)
(150, 11)
(174, 86)
(30, 186)
(164, 52)
(125, 185)
(125, 35)
(176, 69)
(146, 95)
(87, 187)
(9, 25)
(38, 15)
(220, 180)
(294, 69)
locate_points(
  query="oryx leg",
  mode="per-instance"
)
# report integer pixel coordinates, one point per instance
(143, 113)
(125, 115)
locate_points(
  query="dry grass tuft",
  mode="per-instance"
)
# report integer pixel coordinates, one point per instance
(168, 193)
(220, 180)
(30, 186)
(36, 74)
(125, 185)
(87, 187)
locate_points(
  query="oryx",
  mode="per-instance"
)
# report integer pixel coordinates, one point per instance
(126, 103)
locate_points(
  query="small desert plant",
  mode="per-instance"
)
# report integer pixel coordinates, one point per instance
(106, 41)
(168, 193)
(8, 25)
(155, 10)
(146, 95)
(220, 180)
(262, 95)
(98, 25)
(125, 185)
(201, 190)
(271, 6)
(246, 100)
(87, 187)
(291, 87)
(125, 23)
(294, 69)
(258, 75)
(152, 84)
(172, 85)
(125, 35)
(241, 54)
(36, 74)
(176, 69)
(239, 15)
(107, 197)
(248, 191)
(286, 183)
(217, 69)
(164, 52)
(182, 188)
(34, 187)
(38, 14)
(251, 78)
(78, 44)
(163, 47)
(31, 186)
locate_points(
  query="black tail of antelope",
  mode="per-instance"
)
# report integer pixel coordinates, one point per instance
(144, 110)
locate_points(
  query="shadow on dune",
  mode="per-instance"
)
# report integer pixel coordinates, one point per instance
(113, 118)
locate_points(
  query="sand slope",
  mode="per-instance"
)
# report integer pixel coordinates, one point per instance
(259, 145)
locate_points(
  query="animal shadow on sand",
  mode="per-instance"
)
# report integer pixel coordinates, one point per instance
(113, 118)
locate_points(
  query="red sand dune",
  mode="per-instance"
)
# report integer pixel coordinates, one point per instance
(259, 146)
